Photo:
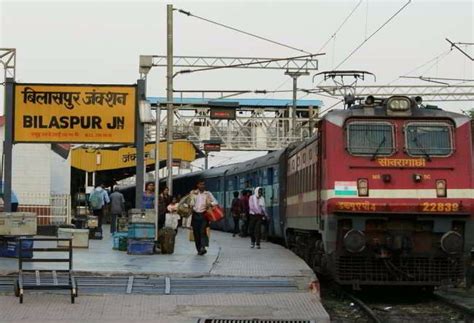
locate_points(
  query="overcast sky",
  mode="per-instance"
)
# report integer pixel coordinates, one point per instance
(100, 41)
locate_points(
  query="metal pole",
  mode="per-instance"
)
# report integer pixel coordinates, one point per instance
(140, 147)
(206, 161)
(157, 167)
(293, 109)
(8, 144)
(169, 98)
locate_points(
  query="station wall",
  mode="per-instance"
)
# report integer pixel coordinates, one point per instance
(38, 172)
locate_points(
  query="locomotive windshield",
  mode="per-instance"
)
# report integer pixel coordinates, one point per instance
(370, 138)
(428, 139)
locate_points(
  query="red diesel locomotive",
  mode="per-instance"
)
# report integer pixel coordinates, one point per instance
(383, 194)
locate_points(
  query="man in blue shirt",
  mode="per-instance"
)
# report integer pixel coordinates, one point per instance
(98, 199)
(14, 198)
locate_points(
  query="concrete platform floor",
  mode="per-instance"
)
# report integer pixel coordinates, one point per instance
(227, 257)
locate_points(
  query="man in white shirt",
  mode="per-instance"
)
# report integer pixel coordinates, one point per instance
(202, 201)
(258, 213)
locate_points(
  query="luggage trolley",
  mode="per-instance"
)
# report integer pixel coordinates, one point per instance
(54, 279)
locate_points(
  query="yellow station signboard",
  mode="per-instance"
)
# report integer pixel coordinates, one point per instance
(74, 113)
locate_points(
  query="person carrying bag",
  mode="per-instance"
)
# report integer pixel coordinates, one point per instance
(202, 201)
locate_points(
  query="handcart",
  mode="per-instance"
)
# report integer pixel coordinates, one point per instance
(45, 279)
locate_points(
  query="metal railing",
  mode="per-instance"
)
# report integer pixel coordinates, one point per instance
(51, 209)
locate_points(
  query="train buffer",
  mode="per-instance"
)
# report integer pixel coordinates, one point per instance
(232, 281)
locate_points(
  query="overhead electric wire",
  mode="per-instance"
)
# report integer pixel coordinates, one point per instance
(189, 14)
(340, 26)
(333, 36)
(371, 35)
(422, 65)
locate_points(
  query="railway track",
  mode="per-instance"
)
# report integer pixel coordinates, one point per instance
(388, 305)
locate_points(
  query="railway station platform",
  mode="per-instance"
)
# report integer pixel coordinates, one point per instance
(232, 281)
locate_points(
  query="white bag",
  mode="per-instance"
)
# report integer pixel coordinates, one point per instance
(171, 220)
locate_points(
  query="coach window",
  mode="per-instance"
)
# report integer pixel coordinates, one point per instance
(429, 139)
(370, 138)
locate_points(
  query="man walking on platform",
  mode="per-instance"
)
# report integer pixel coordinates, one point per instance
(117, 208)
(257, 214)
(236, 211)
(202, 200)
(98, 200)
(244, 204)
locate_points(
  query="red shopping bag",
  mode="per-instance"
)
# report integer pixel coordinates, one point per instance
(214, 214)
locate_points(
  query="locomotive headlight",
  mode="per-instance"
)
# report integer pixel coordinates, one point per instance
(354, 241)
(363, 187)
(441, 190)
(451, 242)
(398, 103)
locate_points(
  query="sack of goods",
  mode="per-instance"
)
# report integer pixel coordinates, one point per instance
(166, 238)
(122, 224)
(141, 216)
(214, 214)
(171, 220)
(92, 221)
(185, 208)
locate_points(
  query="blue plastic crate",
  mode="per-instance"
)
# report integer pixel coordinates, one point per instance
(116, 238)
(140, 247)
(141, 231)
(10, 247)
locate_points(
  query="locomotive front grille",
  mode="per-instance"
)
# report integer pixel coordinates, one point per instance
(399, 271)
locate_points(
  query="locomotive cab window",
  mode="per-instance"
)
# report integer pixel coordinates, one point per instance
(428, 139)
(370, 138)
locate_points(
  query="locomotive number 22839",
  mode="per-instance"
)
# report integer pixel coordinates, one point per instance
(440, 207)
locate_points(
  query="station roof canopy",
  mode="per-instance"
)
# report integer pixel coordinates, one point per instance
(245, 103)
(118, 162)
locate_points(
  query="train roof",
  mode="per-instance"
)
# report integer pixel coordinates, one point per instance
(338, 117)
(297, 146)
(218, 171)
(184, 176)
(269, 159)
